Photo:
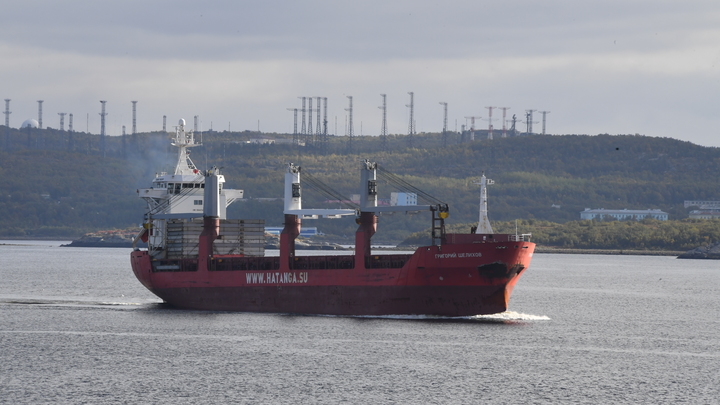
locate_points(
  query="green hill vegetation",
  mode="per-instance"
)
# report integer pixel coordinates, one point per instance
(647, 234)
(58, 184)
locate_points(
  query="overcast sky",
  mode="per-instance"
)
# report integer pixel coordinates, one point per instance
(618, 67)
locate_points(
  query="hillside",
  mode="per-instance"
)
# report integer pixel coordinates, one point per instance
(58, 186)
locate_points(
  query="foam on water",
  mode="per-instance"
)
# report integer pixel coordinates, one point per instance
(511, 316)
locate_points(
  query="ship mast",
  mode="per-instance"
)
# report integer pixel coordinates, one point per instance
(483, 222)
(183, 140)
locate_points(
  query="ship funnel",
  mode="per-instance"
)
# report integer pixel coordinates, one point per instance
(211, 207)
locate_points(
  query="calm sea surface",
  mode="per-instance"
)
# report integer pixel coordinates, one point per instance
(77, 327)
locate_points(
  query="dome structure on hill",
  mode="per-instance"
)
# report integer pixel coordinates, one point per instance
(30, 123)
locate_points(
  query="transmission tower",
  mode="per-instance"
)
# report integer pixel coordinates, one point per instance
(444, 131)
(310, 126)
(295, 133)
(529, 121)
(302, 111)
(350, 125)
(71, 145)
(472, 127)
(383, 128)
(504, 110)
(490, 120)
(102, 128)
(62, 121)
(134, 127)
(411, 125)
(544, 113)
(40, 113)
(324, 142)
(7, 123)
(318, 131)
(124, 143)
(325, 121)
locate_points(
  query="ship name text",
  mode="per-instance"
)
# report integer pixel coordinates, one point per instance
(277, 278)
(454, 255)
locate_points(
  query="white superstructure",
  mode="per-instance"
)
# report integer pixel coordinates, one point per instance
(180, 195)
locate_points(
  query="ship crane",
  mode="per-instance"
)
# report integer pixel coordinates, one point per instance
(368, 194)
(366, 213)
(370, 209)
(293, 199)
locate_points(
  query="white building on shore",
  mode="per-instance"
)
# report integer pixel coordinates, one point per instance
(624, 214)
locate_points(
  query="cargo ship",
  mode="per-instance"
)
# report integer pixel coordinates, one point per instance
(198, 259)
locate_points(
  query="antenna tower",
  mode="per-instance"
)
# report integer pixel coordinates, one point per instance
(295, 134)
(318, 131)
(124, 143)
(529, 120)
(62, 121)
(134, 127)
(310, 126)
(350, 124)
(472, 127)
(411, 125)
(302, 110)
(324, 142)
(325, 121)
(70, 133)
(504, 122)
(40, 113)
(544, 113)
(490, 120)
(444, 132)
(383, 128)
(102, 127)
(7, 123)
(322, 136)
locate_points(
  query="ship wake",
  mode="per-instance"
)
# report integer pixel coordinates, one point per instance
(52, 302)
(502, 317)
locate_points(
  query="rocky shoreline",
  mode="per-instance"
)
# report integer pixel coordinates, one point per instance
(117, 238)
(703, 252)
(543, 249)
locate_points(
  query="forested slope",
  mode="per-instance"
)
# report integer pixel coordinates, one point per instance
(57, 185)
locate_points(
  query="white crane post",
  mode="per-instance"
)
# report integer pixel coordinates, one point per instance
(368, 180)
(293, 193)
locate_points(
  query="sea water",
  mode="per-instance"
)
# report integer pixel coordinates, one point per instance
(77, 327)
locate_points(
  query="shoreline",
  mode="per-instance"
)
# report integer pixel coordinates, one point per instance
(551, 250)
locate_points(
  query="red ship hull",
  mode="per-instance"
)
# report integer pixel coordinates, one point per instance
(468, 275)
